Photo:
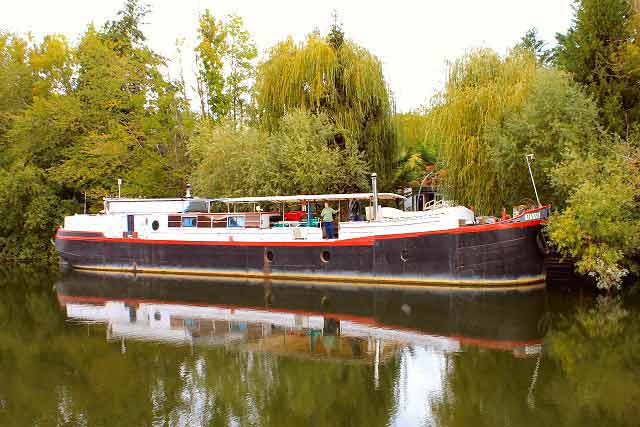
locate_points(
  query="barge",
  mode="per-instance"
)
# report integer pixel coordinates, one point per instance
(443, 245)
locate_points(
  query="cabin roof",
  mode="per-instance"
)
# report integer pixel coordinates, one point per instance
(274, 199)
(133, 199)
(310, 198)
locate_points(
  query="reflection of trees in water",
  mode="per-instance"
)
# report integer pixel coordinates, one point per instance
(484, 388)
(589, 376)
(55, 372)
(598, 350)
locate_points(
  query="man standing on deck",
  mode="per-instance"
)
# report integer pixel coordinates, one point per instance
(327, 220)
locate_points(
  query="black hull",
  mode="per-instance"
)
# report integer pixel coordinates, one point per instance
(505, 255)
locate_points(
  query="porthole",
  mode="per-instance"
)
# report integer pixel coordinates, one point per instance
(325, 256)
(269, 256)
(155, 225)
(404, 255)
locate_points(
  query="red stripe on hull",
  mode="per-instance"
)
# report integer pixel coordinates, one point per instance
(360, 241)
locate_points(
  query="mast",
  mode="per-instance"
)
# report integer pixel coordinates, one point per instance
(529, 158)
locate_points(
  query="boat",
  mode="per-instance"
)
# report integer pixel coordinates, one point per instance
(280, 237)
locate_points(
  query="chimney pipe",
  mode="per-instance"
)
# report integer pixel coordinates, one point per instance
(374, 190)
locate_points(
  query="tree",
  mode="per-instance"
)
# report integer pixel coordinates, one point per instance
(599, 50)
(600, 226)
(336, 77)
(555, 120)
(210, 53)
(241, 55)
(15, 83)
(303, 158)
(228, 161)
(531, 43)
(225, 56)
(52, 66)
(76, 118)
(481, 89)
(300, 157)
(415, 149)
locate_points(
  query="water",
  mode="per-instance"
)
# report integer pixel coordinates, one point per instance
(117, 350)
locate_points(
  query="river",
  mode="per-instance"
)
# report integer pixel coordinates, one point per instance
(84, 349)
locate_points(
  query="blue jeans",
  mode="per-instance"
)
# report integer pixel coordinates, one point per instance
(328, 229)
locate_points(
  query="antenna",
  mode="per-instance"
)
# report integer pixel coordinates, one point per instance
(530, 158)
(119, 186)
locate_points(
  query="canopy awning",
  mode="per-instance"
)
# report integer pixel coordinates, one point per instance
(310, 198)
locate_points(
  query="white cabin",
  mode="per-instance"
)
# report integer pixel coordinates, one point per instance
(194, 219)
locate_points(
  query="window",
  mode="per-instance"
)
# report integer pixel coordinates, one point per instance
(155, 225)
(236, 221)
(189, 221)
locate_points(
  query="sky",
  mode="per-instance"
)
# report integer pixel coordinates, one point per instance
(413, 39)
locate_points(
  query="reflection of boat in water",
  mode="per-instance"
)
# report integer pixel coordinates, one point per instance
(329, 321)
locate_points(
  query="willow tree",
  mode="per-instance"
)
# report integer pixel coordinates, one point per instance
(481, 88)
(415, 150)
(336, 77)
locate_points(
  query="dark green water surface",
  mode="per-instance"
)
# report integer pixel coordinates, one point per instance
(113, 350)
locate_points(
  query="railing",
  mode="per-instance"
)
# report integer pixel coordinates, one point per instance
(436, 204)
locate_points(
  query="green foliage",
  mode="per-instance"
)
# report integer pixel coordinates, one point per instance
(73, 119)
(482, 88)
(30, 210)
(301, 157)
(601, 51)
(304, 158)
(15, 83)
(415, 149)
(532, 44)
(601, 224)
(52, 66)
(225, 57)
(335, 77)
(43, 132)
(555, 120)
(228, 161)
